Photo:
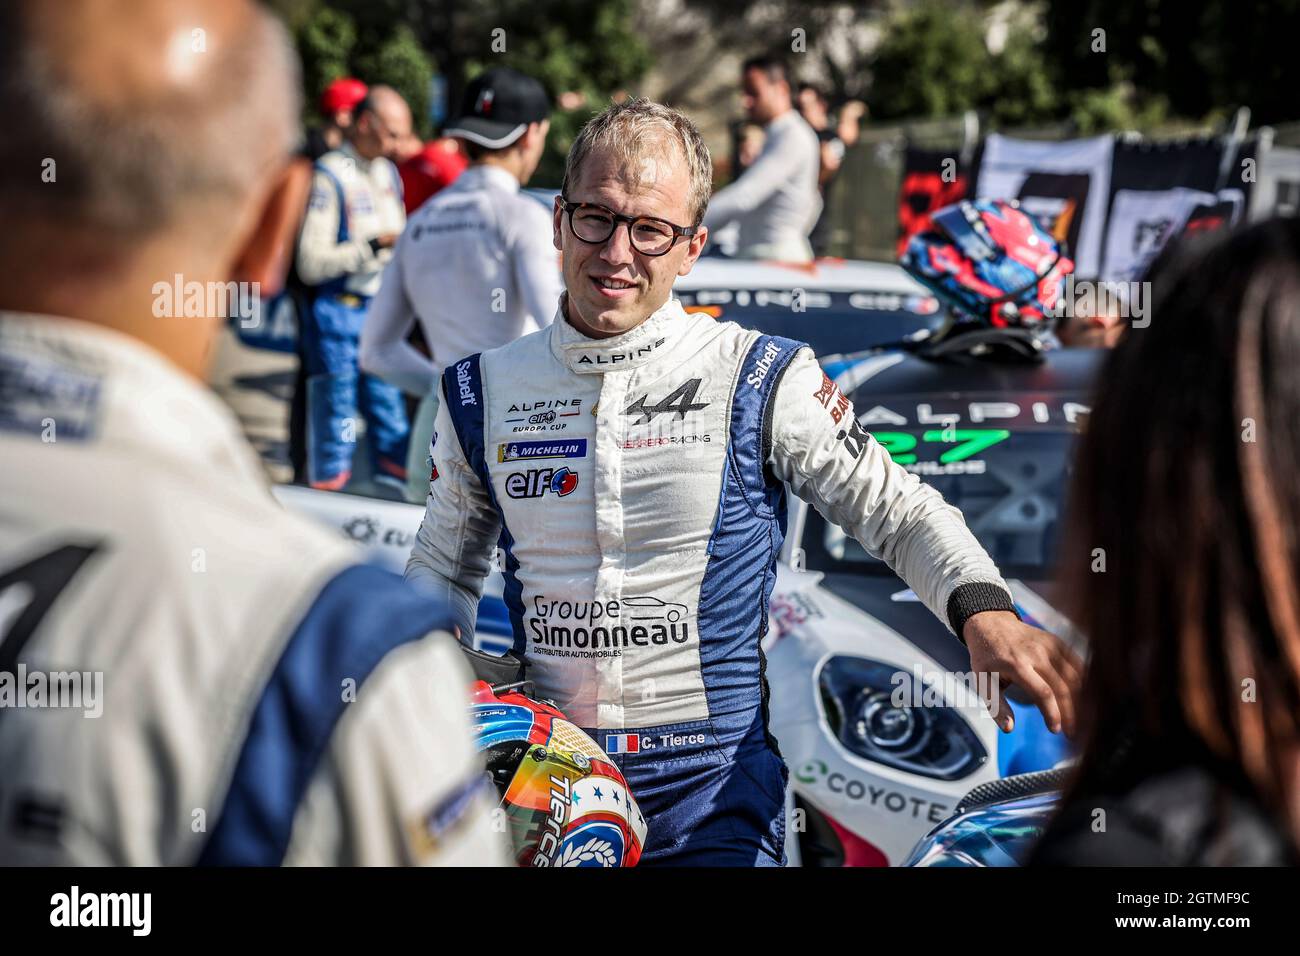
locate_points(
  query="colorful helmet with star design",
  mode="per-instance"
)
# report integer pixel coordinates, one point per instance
(991, 263)
(564, 801)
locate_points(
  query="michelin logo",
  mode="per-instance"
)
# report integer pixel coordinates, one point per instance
(535, 450)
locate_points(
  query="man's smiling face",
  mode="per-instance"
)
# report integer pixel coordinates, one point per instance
(611, 287)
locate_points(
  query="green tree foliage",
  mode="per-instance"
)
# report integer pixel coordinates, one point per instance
(400, 62)
(1102, 64)
(325, 44)
(932, 62)
(1188, 59)
(587, 47)
(584, 46)
(1023, 91)
(333, 42)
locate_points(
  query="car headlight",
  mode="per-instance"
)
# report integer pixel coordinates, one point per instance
(872, 709)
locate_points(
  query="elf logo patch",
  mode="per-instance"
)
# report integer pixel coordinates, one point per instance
(539, 481)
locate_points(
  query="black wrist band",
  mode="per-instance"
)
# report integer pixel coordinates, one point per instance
(967, 600)
(375, 246)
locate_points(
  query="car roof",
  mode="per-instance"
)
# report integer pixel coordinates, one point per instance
(832, 275)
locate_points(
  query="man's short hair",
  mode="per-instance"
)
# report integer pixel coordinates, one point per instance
(815, 90)
(771, 66)
(128, 169)
(640, 127)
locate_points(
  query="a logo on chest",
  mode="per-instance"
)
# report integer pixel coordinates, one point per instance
(680, 401)
(538, 482)
(551, 414)
(669, 424)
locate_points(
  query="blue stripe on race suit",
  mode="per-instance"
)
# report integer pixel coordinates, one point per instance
(713, 791)
(343, 202)
(360, 615)
(742, 550)
(462, 385)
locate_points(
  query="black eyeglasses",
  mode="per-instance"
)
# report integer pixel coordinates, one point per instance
(649, 236)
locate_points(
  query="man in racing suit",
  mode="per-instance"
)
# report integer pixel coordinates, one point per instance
(354, 217)
(630, 463)
(188, 673)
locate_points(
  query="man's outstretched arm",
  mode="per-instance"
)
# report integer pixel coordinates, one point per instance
(825, 456)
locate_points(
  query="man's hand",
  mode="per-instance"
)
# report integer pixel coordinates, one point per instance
(1037, 662)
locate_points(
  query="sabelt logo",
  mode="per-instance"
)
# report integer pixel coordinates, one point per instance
(462, 382)
(755, 378)
(641, 621)
(538, 481)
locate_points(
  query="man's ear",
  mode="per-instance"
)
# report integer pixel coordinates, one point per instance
(557, 225)
(695, 246)
(266, 252)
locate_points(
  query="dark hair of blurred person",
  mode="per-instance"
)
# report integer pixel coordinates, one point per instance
(765, 89)
(1186, 489)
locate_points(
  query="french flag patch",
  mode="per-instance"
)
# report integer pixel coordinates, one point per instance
(622, 743)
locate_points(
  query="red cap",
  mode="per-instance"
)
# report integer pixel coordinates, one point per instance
(342, 94)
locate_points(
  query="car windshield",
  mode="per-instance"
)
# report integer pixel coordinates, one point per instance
(1009, 485)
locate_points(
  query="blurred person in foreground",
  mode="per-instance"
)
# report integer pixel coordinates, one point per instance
(834, 141)
(1185, 486)
(138, 540)
(475, 268)
(354, 217)
(775, 201)
(630, 462)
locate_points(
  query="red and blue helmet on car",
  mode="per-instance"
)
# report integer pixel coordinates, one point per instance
(991, 263)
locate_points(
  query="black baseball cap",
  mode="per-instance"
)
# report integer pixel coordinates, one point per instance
(498, 106)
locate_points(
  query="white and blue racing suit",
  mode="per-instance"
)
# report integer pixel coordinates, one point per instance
(352, 202)
(634, 490)
(189, 673)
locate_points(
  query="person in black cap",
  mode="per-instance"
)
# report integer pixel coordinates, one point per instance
(499, 107)
(475, 267)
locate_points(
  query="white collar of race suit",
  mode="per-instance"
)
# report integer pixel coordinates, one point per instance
(633, 348)
(130, 396)
(360, 162)
(485, 174)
